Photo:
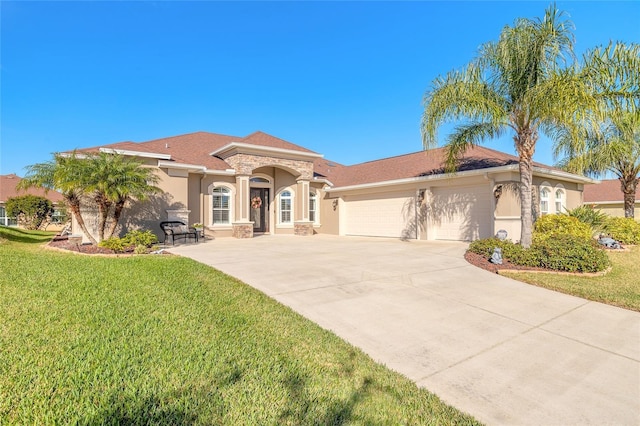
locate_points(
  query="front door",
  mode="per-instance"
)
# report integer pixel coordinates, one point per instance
(259, 207)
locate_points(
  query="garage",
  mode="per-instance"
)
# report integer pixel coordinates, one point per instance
(461, 213)
(388, 214)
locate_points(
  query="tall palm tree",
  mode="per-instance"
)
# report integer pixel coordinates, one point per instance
(523, 83)
(613, 145)
(65, 173)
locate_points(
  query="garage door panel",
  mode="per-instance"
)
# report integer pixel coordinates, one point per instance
(380, 215)
(461, 213)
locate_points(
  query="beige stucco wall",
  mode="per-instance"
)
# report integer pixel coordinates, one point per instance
(329, 214)
(616, 209)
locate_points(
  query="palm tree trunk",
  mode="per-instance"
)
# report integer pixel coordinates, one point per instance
(525, 143)
(628, 186)
(74, 206)
(117, 212)
(103, 212)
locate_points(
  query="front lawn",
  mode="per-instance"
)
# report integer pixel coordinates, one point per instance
(165, 340)
(620, 287)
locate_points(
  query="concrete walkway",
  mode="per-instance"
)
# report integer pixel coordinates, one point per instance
(503, 351)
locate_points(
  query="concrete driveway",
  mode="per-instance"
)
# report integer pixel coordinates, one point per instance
(503, 351)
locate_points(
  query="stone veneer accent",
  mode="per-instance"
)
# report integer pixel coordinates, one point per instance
(247, 163)
(303, 228)
(243, 230)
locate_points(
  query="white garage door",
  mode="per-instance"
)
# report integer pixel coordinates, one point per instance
(381, 215)
(461, 213)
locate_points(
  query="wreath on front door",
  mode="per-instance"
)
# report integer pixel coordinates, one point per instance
(256, 202)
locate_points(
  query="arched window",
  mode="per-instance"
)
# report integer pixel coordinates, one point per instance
(221, 205)
(544, 201)
(560, 201)
(286, 207)
(313, 207)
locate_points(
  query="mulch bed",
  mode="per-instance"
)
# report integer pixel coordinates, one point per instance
(482, 262)
(63, 243)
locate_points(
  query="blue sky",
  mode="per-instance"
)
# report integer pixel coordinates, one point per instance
(345, 79)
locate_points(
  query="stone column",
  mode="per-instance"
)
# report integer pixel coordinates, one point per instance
(242, 226)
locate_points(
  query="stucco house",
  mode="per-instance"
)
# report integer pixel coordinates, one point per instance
(608, 198)
(8, 184)
(245, 186)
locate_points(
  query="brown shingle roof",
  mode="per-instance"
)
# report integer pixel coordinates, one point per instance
(8, 189)
(606, 191)
(417, 164)
(194, 148)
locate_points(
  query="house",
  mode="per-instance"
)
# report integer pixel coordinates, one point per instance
(8, 184)
(608, 197)
(244, 186)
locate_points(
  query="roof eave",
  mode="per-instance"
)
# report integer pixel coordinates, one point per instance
(141, 154)
(245, 148)
(540, 171)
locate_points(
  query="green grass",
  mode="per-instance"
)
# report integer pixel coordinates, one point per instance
(165, 340)
(620, 287)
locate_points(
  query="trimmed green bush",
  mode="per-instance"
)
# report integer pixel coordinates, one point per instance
(559, 252)
(560, 224)
(116, 244)
(485, 247)
(570, 253)
(140, 240)
(624, 229)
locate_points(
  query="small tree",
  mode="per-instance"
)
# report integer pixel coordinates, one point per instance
(32, 211)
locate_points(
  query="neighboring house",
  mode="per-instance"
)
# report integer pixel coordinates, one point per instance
(8, 190)
(607, 196)
(243, 186)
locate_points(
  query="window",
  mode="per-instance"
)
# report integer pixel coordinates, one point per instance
(313, 206)
(544, 201)
(285, 207)
(7, 221)
(221, 205)
(560, 206)
(57, 217)
(258, 180)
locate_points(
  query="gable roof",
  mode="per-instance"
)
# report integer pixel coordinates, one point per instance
(195, 148)
(608, 191)
(8, 189)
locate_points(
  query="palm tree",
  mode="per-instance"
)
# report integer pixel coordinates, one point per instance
(614, 144)
(65, 173)
(112, 180)
(520, 83)
(109, 180)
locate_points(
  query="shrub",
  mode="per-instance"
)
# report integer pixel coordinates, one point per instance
(32, 211)
(560, 252)
(566, 252)
(593, 217)
(485, 247)
(116, 244)
(624, 229)
(141, 238)
(140, 249)
(560, 224)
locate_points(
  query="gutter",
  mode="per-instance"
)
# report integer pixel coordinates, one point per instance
(539, 171)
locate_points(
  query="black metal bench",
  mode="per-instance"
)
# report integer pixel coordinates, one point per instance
(177, 229)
